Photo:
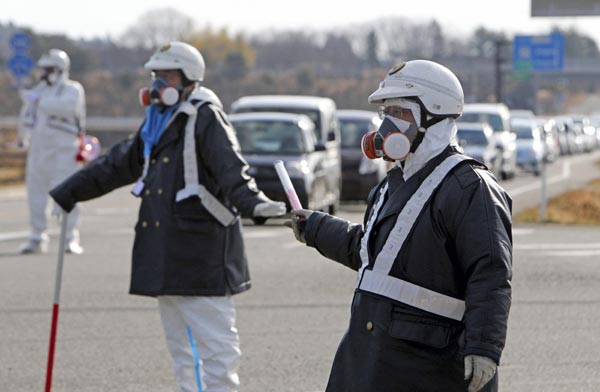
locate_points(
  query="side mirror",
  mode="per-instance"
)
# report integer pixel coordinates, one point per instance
(320, 147)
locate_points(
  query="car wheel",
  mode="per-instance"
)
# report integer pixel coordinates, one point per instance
(259, 220)
(317, 195)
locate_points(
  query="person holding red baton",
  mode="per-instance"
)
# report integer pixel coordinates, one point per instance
(433, 254)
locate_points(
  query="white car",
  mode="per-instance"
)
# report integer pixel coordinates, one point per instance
(497, 116)
(477, 141)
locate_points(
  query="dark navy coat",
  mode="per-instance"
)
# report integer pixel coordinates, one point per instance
(460, 246)
(179, 248)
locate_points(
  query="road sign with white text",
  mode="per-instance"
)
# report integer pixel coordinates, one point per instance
(538, 53)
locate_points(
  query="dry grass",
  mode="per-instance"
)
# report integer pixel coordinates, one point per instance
(12, 167)
(580, 207)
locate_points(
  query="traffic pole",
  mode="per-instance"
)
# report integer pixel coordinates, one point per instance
(56, 305)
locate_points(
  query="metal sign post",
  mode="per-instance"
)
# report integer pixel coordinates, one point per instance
(543, 178)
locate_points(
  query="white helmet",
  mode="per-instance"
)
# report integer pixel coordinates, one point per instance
(434, 86)
(179, 55)
(55, 58)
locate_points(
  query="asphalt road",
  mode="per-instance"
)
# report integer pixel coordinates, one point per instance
(293, 318)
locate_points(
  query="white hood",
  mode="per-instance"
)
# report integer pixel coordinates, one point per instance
(436, 139)
(206, 94)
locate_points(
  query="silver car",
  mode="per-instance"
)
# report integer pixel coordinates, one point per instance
(477, 141)
(266, 137)
(530, 146)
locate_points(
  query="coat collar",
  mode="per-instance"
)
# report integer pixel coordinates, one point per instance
(175, 128)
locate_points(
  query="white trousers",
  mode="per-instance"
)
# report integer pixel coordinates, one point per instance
(42, 175)
(205, 325)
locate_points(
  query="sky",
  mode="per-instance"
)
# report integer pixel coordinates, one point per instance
(110, 18)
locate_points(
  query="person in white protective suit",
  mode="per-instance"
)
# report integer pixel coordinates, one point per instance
(52, 118)
(193, 183)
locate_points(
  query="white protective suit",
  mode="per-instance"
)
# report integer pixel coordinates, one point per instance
(51, 118)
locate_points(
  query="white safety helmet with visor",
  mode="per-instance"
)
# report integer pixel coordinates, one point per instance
(173, 56)
(52, 64)
(414, 96)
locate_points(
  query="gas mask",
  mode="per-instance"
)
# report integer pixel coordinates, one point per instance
(160, 93)
(392, 141)
(50, 76)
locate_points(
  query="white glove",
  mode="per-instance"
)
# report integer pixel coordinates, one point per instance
(30, 95)
(56, 210)
(269, 209)
(480, 370)
(298, 223)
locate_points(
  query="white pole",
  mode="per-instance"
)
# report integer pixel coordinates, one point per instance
(543, 178)
(56, 305)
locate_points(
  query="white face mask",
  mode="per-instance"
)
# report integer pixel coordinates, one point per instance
(52, 78)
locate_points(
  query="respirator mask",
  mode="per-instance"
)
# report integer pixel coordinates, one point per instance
(160, 93)
(395, 138)
(50, 75)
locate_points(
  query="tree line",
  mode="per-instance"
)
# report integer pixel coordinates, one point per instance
(346, 64)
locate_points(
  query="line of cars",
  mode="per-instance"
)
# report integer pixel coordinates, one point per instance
(505, 140)
(320, 145)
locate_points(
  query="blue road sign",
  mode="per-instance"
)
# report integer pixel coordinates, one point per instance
(19, 42)
(538, 53)
(20, 65)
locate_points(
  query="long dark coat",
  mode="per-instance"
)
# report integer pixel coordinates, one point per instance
(460, 246)
(179, 249)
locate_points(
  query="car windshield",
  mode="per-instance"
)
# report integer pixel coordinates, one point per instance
(269, 137)
(352, 132)
(494, 120)
(472, 138)
(523, 132)
(314, 115)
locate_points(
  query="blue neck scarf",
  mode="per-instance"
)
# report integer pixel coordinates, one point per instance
(155, 124)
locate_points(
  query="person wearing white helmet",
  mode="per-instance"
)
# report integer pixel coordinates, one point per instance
(193, 182)
(433, 257)
(51, 120)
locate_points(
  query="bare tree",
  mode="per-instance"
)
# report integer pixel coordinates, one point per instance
(157, 27)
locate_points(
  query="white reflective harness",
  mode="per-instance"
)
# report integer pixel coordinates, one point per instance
(378, 279)
(190, 169)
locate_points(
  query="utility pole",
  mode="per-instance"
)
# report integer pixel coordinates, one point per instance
(498, 43)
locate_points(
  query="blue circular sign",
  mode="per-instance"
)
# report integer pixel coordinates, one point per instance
(20, 65)
(20, 42)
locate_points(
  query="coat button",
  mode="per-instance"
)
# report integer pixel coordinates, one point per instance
(165, 159)
(144, 224)
(147, 192)
(153, 161)
(369, 326)
(157, 224)
(159, 191)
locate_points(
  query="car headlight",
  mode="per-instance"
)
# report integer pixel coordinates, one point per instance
(297, 168)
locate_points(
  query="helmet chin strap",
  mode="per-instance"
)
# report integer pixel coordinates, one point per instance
(426, 121)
